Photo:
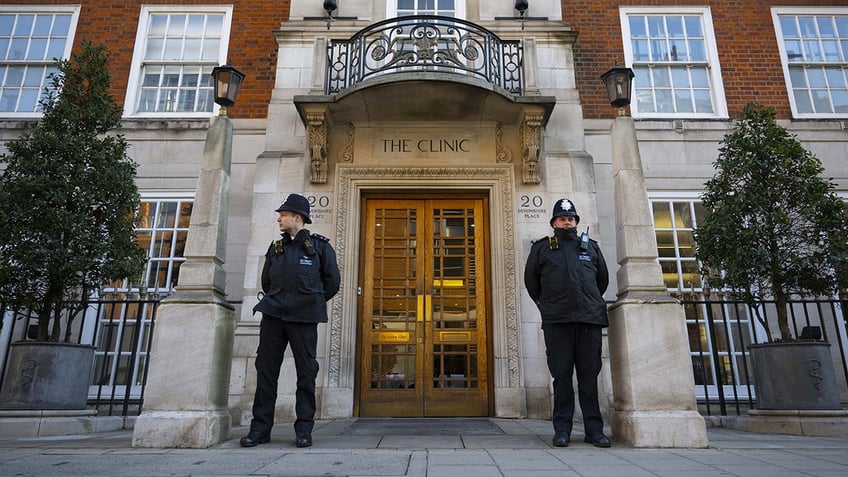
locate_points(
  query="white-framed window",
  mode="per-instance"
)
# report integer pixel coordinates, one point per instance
(125, 312)
(31, 39)
(445, 8)
(672, 51)
(719, 332)
(813, 44)
(176, 49)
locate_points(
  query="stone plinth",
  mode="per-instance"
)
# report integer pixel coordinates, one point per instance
(185, 402)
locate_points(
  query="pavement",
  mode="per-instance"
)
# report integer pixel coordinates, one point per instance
(413, 448)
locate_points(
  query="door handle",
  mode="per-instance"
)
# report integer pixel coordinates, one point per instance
(425, 308)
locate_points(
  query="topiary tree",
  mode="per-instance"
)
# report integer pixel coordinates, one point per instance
(68, 199)
(773, 227)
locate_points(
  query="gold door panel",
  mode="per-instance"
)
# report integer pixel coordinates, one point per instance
(423, 349)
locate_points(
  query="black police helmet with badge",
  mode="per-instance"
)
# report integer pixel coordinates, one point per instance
(564, 207)
(298, 204)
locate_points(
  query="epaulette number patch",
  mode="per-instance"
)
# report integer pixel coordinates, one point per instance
(320, 237)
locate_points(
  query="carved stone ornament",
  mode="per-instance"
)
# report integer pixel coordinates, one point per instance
(531, 132)
(347, 152)
(318, 132)
(503, 153)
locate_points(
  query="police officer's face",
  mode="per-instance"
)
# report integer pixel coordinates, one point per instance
(287, 221)
(565, 222)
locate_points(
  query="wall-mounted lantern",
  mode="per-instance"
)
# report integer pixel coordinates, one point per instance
(618, 81)
(227, 83)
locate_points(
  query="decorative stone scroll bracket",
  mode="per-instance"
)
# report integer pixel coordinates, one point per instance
(531, 138)
(346, 154)
(503, 153)
(318, 131)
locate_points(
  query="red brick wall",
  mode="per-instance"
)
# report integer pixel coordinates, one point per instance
(746, 42)
(252, 47)
(745, 37)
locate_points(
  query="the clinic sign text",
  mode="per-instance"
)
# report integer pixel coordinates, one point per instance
(440, 144)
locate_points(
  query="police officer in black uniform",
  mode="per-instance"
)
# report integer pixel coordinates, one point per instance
(566, 276)
(299, 276)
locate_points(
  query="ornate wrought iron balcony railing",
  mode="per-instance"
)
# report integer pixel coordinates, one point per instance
(424, 43)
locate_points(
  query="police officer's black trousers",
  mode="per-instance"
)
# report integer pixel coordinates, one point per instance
(573, 346)
(274, 336)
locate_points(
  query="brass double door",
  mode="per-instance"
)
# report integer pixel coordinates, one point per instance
(423, 348)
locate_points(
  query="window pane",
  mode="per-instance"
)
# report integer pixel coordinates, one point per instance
(42, 25)
(192, 48)
(7, 22)
(793, 51)
(637, 26)
(835, 78)
(787, 25)
(821, 102)
(9, 100)
(661, 77)
(816, 78)
(807, 27)
(24, 25)
(680, 77)
(176, 25)
(154, 49)
(664, 101)
(640, 50)
(55, 49)
(697, 51)
(659, 50)
(675, 26)
(33, 77)
(812, 51)
(678, 51)
(840, 101)
(700, 77)
(656, 26)
(210, 48)
(662, 215)
(842, 26)
(703, 102)
(682, 215)
(37, 49)
(195, 25)
(798, 77)
(825, 25)
(803, 103)
(693, 26)
(61, 25)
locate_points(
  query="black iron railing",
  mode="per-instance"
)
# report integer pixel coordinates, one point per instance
(424, 43)
(721, 329)
(120, 326)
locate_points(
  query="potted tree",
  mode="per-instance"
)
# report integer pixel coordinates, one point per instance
(774, 230)
(67, 204)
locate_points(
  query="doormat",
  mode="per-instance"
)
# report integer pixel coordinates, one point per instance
(422, 427)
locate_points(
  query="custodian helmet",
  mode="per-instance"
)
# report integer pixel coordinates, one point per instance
(298, 204)
(564, 207)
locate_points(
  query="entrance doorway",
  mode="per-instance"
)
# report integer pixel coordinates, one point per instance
(423, 322)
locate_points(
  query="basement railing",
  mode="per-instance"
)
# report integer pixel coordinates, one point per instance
(424, 43)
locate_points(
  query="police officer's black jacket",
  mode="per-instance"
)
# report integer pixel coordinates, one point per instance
(567, 282)
(300, 275)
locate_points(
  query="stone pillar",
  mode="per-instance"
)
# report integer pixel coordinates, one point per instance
(185, 401)
(653, 385)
